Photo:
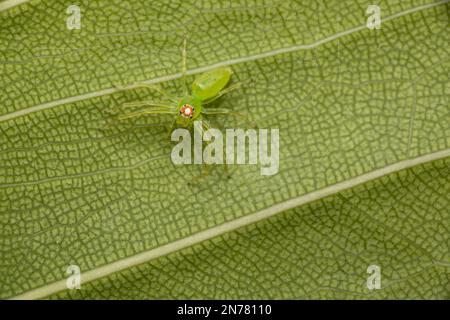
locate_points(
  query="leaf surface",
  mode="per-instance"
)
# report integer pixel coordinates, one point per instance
(320, 250)
(348, 101)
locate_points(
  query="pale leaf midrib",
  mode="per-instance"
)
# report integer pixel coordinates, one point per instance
(232, 225)
(315, 44)
(8, 4)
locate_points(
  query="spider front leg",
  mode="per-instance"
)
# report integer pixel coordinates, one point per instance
(201, 129)
(184, 67)
(162, 92)
(143, 112)
(151, 108)
(205, 173)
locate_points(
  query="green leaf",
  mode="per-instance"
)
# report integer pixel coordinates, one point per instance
(320, 250)
(351, 104)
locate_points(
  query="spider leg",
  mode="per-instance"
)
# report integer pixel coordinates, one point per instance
(171, 127)
(205, 172)
(152, 109)
(142, 113)
(205, 126)
(184, 66)
(148, 103)
(205, 167)
(162, 92)
(136, 104)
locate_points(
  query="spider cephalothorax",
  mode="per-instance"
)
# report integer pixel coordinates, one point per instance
(187, 111)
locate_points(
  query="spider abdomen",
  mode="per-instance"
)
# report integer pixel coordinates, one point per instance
(210, 83)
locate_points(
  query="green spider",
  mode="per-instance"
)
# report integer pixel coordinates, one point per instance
(206, 88)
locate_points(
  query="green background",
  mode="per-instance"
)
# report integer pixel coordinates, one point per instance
(76, 192)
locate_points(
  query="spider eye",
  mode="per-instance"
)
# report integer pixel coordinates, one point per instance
(187, 111)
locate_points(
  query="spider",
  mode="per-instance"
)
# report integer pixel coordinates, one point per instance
(191, 107)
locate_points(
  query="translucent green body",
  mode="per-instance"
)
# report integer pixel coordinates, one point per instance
(205, 87)
(210, 83)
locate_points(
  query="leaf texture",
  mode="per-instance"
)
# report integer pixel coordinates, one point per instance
(320, 250)
(347, 101)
